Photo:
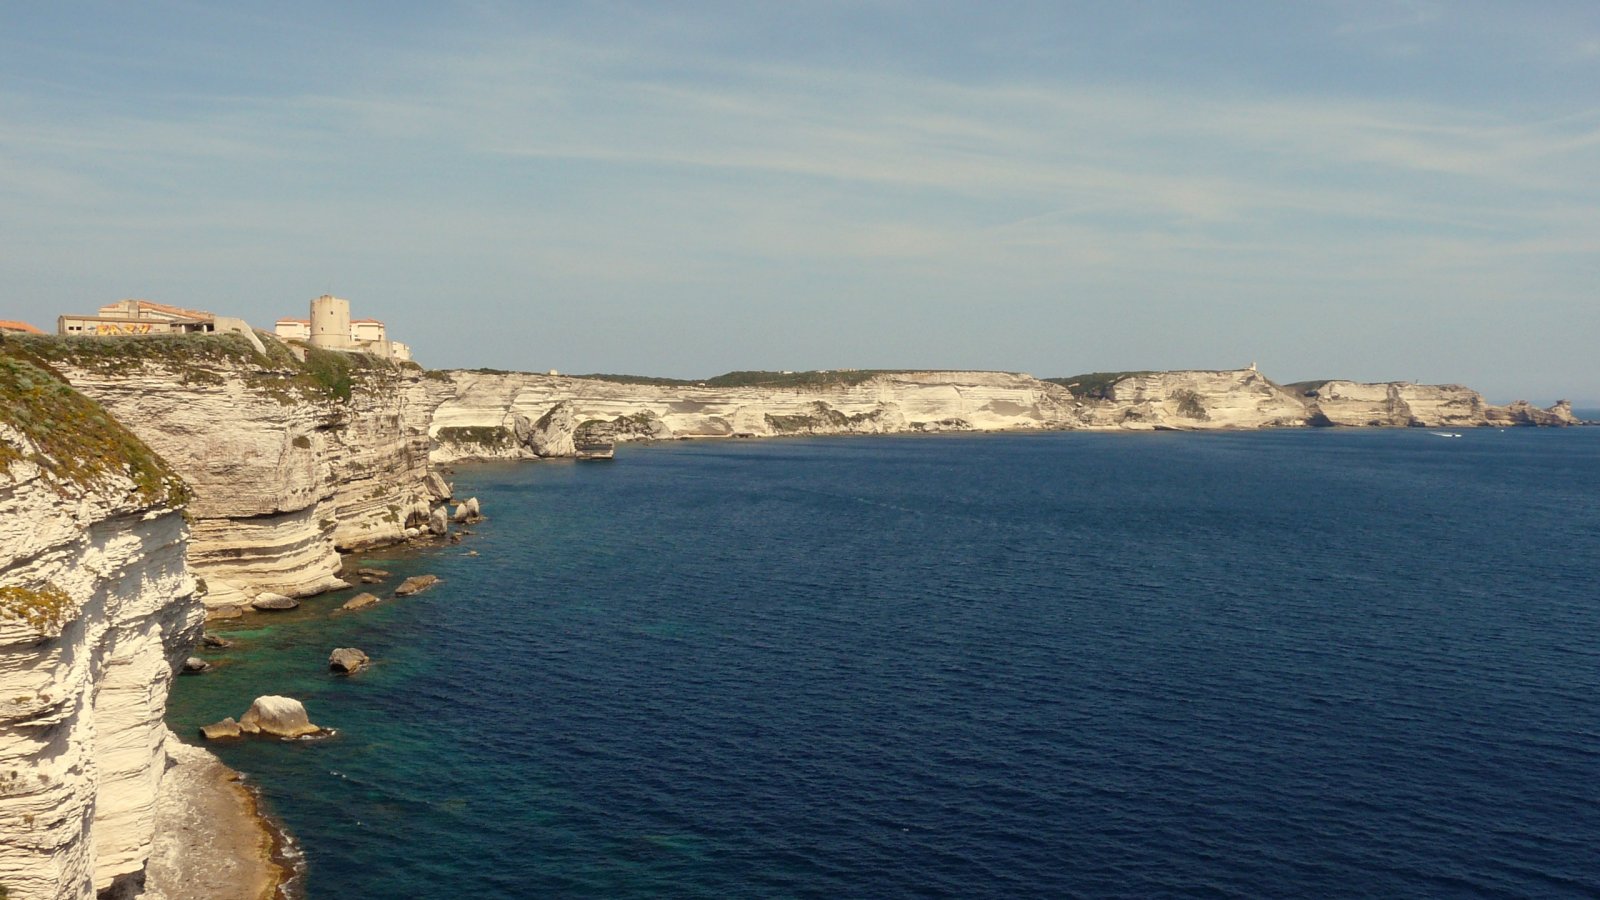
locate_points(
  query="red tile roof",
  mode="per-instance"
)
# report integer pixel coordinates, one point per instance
(13, 325)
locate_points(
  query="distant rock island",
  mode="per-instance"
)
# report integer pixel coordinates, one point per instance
(148, 483)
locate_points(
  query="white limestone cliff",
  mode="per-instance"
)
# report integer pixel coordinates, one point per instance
(291, 460)
(1239, 398)
(481, 415)
(97, 608)
(1396, 404)
(486, 406)
(1403, 404)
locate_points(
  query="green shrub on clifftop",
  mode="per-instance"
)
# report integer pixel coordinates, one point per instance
(1095, 385)
(75, 440)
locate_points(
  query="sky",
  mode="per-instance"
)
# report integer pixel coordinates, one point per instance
(1375, 189)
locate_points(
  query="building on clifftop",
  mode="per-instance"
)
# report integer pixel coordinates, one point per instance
(138, 318)
(331, 328)
(14, 327)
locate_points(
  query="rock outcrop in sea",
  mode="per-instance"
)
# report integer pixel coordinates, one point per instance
(278, 716)
(348, 660)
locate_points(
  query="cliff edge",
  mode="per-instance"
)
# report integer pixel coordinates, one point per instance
(507, 415)
(293, 453)
(96, 609)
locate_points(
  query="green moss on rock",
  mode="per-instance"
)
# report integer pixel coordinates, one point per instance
(1095, 385)
(490, 436)
(45, 609)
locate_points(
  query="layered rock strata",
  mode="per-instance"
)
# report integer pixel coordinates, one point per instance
(480, 415)
(1240, 398)
(1403, 404)
(97, 610)
(293, 455)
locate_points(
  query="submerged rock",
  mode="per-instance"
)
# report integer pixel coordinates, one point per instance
(371, 576)
(272, 602)
(416, 584)
(282, 716)
(215, 642)
(195, 665)
(216, 731)
(348, 660)
(360, 601)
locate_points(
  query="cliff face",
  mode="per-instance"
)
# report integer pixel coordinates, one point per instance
(1403, 404)
(521, 416)
(96, 608)
(1521, 412)
(479, 417)
(1197, 399)
(1396, 404)
(290, 458)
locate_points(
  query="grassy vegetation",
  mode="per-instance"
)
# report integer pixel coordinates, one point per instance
(640, 424)
(491, 436)
(1189, 405)
(1305, 388)
(76, 441)
(211, 359)
(640, 379)
(1095, 385)
(830, 378)
(44, 609)
(822, 416)
(331, 371)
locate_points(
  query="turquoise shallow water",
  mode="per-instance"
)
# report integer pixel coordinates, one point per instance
(1263, 664)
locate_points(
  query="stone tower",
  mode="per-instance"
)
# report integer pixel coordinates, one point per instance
(330, 323)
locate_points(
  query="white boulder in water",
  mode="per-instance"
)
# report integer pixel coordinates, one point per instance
(282, 716)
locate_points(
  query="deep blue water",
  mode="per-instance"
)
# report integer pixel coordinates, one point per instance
(1288, 663)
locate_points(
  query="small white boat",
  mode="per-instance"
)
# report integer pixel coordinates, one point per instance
(1444, 434)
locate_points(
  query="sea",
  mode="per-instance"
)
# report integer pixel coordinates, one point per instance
(1282, 663)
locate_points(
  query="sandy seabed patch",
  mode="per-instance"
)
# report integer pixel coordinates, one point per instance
(212, 842)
